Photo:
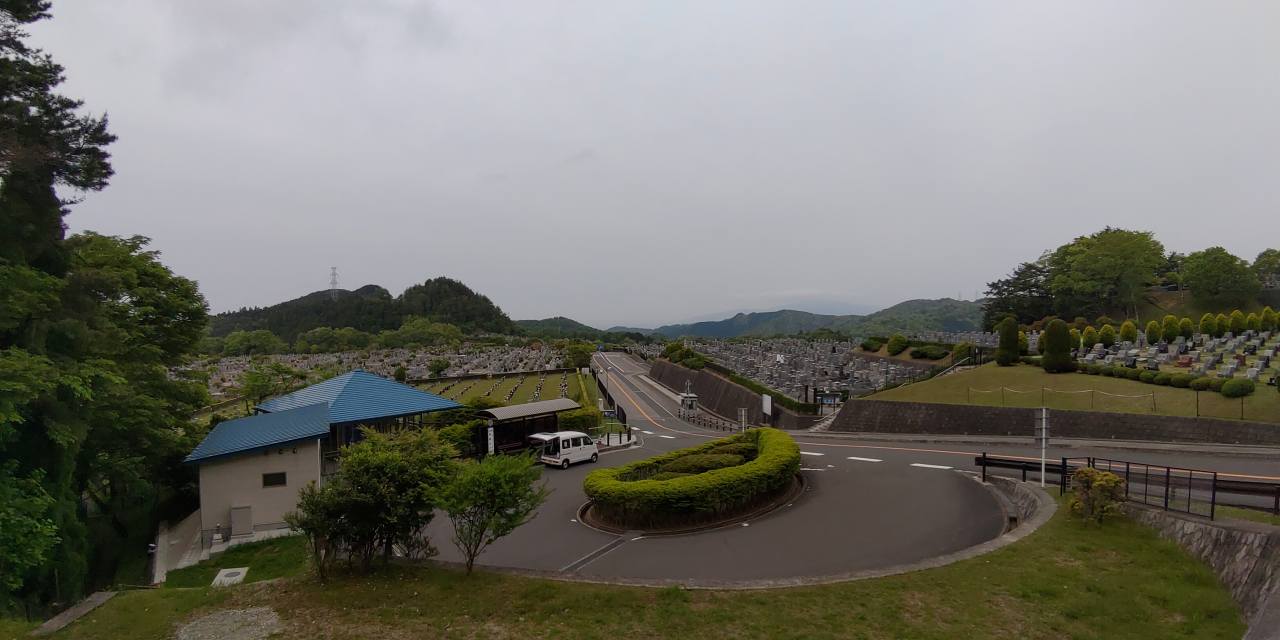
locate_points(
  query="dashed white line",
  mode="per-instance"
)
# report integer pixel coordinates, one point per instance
(929, 466)
(667, 437)
(811, 469)
(857, 459)
(811, 453)
(647, 433)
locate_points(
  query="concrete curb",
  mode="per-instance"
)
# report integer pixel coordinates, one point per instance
(1044, 508)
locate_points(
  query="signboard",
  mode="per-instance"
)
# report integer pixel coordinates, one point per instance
(490, 434)
(766, 404)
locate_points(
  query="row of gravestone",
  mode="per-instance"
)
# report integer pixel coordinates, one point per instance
(1202, 355)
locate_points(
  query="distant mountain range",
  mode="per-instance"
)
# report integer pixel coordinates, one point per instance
(372, 309)
(945, 314)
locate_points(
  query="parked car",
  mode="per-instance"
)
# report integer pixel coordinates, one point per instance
(563, 448)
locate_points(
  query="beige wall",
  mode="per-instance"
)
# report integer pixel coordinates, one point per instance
(236, 481)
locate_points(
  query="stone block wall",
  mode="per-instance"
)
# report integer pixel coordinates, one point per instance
(886, 416)
(721, 396)
(1244, 555)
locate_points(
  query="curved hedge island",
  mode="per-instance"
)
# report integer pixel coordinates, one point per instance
(709, 483)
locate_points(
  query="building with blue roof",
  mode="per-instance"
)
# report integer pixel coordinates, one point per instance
(252, 468)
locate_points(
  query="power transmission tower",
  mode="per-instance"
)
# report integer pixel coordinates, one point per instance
(333, 283)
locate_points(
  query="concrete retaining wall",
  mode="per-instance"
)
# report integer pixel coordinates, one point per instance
(721, 396)
(885, 416)
(1244, 555)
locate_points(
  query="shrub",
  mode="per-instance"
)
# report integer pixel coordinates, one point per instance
(1216, 384)
(1093, 369)
(1223, 325)
(871, 344)
(584, 420)
(1254, 322)
(668, 475)
(462, 436)
(1181, 380)
(1107, 335)
(1147, 376)
(1129, 331)
(1269, 319)
(1153, 332)
(1024, 344)
(700, 462)
(1237, 387)
(1186, 328)
(897, 344)
(930, 352)
(1090, 337)
(1132, 374)
(1162, 379)
(1208, 324)
(1238, 322)
(745, 449)
(1056, 346)
(697, 498)
(1007, 351)
(1201, 384)
(1031, 360)
(1096, 495)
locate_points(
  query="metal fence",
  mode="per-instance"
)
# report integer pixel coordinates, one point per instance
(1192, 491)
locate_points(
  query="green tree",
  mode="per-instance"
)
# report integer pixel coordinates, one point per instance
(252, 343)
(1169, 328)
(420, 332)
(1238, 322)
(1267, 267)
(1007, 351)
(1096, 495)
(1153, 332)
(1024, 294)
(1056, 348)
(1106, 270)
(1217, 278)
(897, 344)
(1269, 319)
(578, 355)
(29, 530)
(1023, 343)
(400, 374)
(1129, 332)
(1208, 324)
(1253, 322)
(266, 379)
(1107, 336)
(438, 366)
(489, 499)
(1090, 337)
(1224, 325)
(1186, 328)
(1076, 336)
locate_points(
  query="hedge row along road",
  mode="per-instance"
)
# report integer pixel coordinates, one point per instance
(868, 505)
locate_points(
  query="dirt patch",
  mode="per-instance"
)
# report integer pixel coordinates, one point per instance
(232, 624)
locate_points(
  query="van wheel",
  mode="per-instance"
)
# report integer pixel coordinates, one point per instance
(595, 457)
(564, 464)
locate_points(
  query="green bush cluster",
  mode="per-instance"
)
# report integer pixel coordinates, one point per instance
(682, 500)
(929, 353)
(871, 344)
(898, 343)
(584, 420)
(701, 462)
(1242, 386)
(745, 449)
(1237, 387)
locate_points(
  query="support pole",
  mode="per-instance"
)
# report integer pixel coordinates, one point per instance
(1044, 441)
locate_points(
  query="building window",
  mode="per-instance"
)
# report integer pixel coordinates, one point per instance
(273, 480)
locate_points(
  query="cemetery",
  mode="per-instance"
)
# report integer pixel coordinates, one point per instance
(516, 387)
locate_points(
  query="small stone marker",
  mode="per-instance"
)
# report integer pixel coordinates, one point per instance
(228, 577)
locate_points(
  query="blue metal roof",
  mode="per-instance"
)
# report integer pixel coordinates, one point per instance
(360, 395)
(263, 430)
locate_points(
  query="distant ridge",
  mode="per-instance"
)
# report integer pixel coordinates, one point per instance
(943, 314)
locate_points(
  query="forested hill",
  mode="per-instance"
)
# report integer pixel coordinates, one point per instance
(944, 314)
(371, 309)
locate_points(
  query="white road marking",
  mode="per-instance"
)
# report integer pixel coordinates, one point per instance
(667, 437)
(647, 433)
(811, 453)
(811, 469)
(857, 459)
(929, 466)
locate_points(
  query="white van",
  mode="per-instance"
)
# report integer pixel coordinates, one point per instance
(564, 448)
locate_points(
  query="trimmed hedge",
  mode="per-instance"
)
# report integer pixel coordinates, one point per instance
(1238, 387)
(632, 496)
(929, 353)
(1201, 384)
(700, 462)
(745, 449)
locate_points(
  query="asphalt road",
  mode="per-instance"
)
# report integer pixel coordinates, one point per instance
(856, 513)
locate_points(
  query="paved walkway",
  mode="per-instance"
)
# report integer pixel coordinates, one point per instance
(56, 623)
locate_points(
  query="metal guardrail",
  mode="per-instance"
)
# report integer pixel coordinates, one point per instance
(1192, 491)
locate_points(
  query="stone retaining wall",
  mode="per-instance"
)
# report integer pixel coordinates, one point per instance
(1244, 555)
(886, 416)
(721, 396)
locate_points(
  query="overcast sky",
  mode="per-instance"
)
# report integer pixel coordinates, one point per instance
(648, 162)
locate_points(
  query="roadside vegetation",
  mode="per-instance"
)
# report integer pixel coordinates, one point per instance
(1070, 579)
(1023, 388)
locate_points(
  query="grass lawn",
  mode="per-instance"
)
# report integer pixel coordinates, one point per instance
(1247, 514)
(498, 386)
(12, 629)
(276, 558)
(1024, 383)
(1068, 580)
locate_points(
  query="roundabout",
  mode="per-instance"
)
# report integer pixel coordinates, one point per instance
(853, 517)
